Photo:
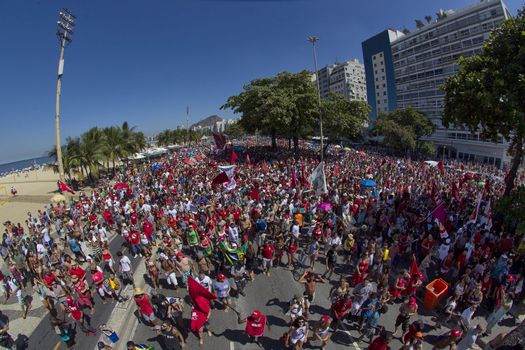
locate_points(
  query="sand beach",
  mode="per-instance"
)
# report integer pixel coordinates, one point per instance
(35, 189)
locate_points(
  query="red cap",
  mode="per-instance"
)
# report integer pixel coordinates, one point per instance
(455, 333)
(203, 235)
(220, 276)
(325, 318)
(179, 254)
(256, 314)
(222, 238)
(412, 300)
(69, 300)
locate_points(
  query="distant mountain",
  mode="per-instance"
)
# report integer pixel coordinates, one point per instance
(207, 122)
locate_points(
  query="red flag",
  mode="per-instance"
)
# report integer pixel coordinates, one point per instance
(414, 269)
(64, 187)
(254, 194)
(219, 179)
(233, 158)
(200, 157)
(336, 170)
(198, 319)
(220, 140)
(441, 167)
(248, 159)
(188, 161)
(439, 212)
(200, 296)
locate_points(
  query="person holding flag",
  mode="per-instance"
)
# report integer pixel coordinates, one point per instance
(200, 299)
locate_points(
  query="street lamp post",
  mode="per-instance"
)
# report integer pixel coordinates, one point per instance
(313, 40)
(65, 26)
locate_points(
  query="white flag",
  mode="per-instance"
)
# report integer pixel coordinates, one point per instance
(228, 186)
(318, 180)
(228, 169)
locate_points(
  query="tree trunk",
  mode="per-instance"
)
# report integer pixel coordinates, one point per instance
(516, 161)
(274, 139)
(296, 144)
(326, 147)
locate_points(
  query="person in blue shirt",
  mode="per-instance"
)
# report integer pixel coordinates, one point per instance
(222, 288)
(371, 321)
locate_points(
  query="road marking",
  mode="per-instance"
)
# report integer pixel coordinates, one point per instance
(232, 346)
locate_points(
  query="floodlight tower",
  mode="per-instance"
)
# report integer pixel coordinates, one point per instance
(65, 25)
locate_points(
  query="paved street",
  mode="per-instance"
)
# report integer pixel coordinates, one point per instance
(269, 294)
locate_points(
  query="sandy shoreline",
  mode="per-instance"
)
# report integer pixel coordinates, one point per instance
(35, 189)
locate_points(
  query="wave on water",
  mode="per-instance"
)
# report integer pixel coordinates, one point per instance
(26, 164)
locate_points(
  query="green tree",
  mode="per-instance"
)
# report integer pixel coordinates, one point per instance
(512, 208)
(343, 119)
(284, 105)
(404, 129)
(487, 94)
(235, 130)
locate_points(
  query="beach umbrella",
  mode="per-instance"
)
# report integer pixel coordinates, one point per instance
(120, 186)
(57, 198)
(347, 149)
(368, 183)
(155, 167)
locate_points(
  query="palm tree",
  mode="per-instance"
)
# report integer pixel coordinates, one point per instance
(165, 137)
(428, 19)
(113, 145)
(91, 151)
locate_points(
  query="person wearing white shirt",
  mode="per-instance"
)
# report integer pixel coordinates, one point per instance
(204, 281)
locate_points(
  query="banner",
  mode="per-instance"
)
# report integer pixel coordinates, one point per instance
(230, 185)
(227, 169)
(219, 179)
(318, 180)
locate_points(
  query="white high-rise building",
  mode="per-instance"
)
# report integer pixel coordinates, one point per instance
(347, 79)
(423, 59)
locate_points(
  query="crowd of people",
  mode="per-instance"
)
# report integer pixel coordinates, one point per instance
(383, 240)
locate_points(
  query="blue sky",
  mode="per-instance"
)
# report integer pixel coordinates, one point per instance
(145, 61)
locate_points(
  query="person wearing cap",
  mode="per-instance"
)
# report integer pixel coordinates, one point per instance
(222, 289)
(255, 324)
(406, 311)
(322, 331)
(144, 307)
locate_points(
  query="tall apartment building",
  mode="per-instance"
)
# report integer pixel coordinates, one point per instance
(423, 59)
(379, 69)
(347, 79)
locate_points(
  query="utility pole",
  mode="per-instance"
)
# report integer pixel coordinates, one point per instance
(313, 40)
(64, 33)
(188, 123)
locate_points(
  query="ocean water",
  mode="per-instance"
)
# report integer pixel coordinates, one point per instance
(23, 164)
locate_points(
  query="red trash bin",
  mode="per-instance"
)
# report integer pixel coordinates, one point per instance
(434, 291)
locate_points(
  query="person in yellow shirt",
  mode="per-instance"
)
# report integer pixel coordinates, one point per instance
(299, 217)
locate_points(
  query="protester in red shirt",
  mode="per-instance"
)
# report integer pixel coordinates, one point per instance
(77, 271)
(267, 254)
(255, 324)
(340, 310)
(75, 310)
(144, 306)
(381, 342)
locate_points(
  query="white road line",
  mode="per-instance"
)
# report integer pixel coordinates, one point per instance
(232, 346)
